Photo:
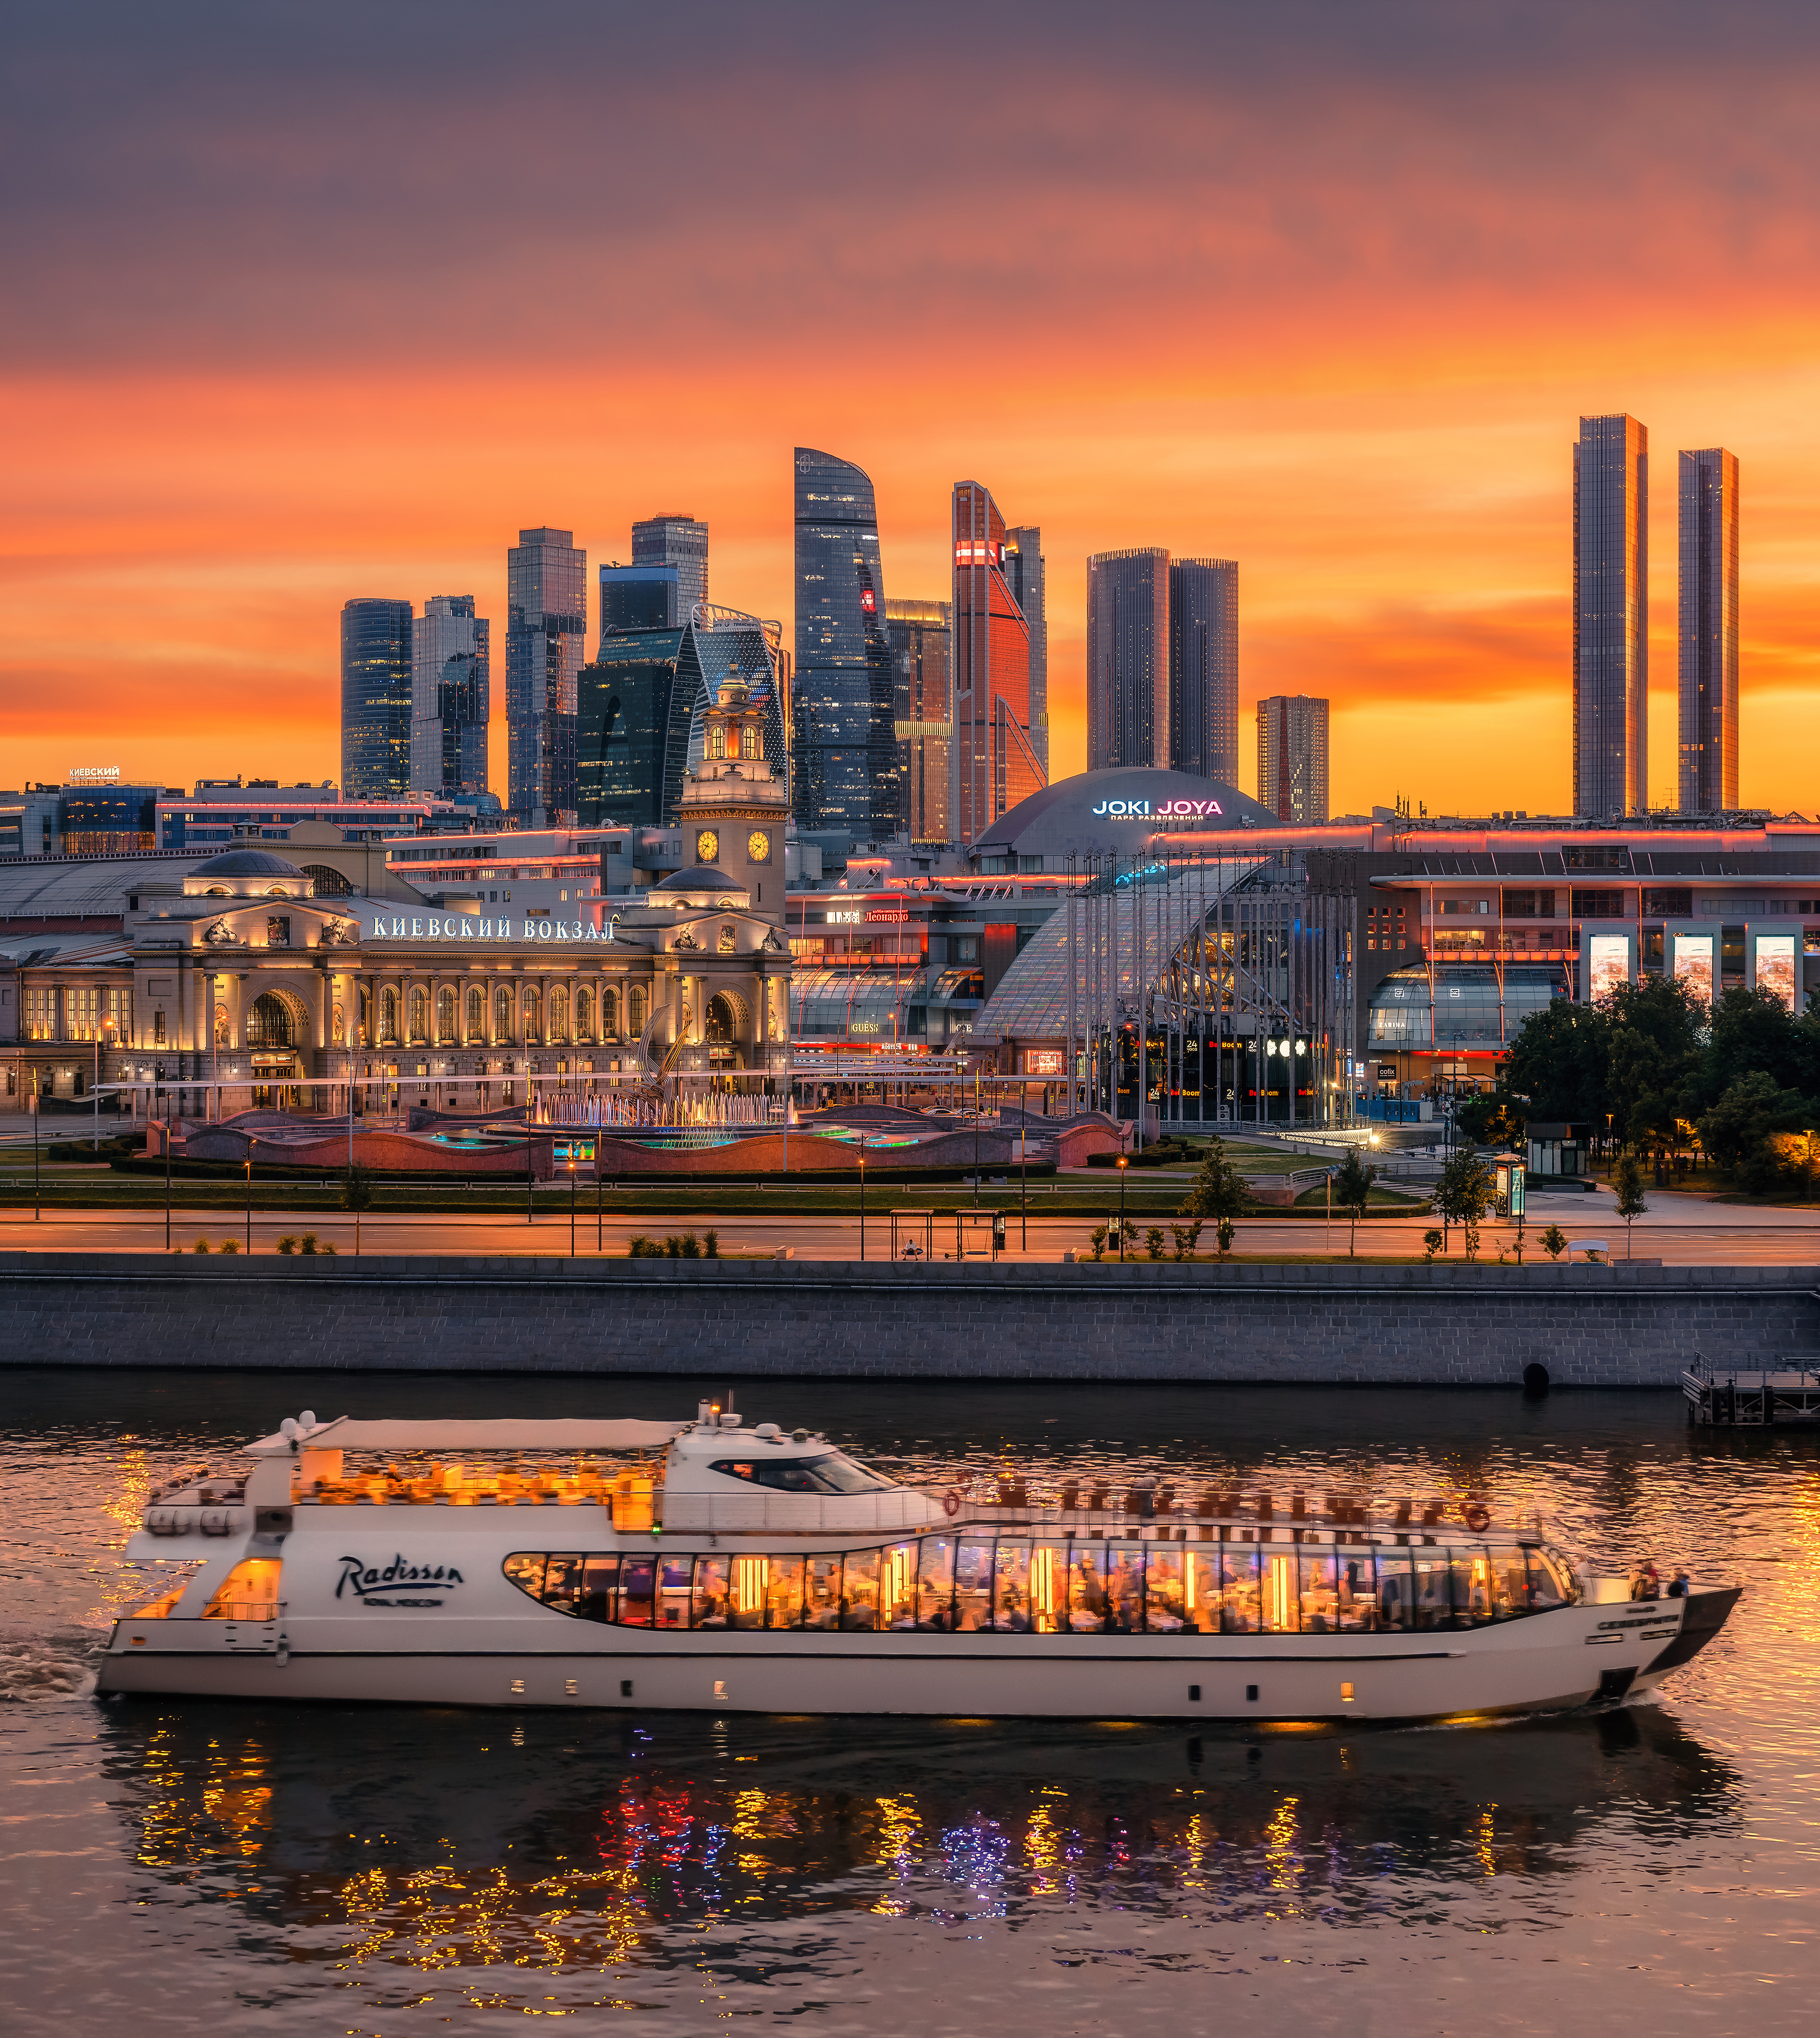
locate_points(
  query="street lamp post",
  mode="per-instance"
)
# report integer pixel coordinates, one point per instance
(249, 1192)
(599, 1231)
(862, 1196)
(37, 1193)
(166, 1170)
(1023, 1165)
(571, 1199)
(1123, 1164)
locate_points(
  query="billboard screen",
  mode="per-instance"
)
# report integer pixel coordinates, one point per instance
(1607, 963)
(1042, 1062)
(1776, 966)
(1693, 964)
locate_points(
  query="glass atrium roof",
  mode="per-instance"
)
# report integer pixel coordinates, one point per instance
(1467, 1010)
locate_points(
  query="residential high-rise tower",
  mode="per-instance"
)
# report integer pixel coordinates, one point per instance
(679, 541)
(994, 765)
(376, 690)
(1292, 757)
(921, 638)
(1024, 570)
(449, 655)
(1709, 745)
(1203, 668)
(1128, 659)
(546, 621)
(1611, 617)
(845, 773)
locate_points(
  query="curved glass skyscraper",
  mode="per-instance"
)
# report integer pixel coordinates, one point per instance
(846, 774)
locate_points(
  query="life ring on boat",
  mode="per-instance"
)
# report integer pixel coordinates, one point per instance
(1476, 1518)
(951, 1501)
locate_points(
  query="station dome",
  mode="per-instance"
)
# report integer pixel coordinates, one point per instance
(247, 873)
(1113, 812)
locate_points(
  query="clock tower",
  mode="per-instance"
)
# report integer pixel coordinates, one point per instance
(733, 807)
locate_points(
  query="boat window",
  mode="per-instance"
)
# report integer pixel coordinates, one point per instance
(1087, 1604)
(174, 1579)
(972, 1584)
(897, 1587)
(1472, 1588)
(1165, 1612)
(1433, 1597)
(1241, 1610)
(783, 1591)
(822, 1592)
(638, 1591)
(713, 1595)
(1049, 1588)
(1509, 1581)
(1201, 1591)
(935, 1583)
(1011, 1587)
(673, 1592)
(829, 1473)
(859, 1589)
(1282, 1609)
(249, 1592)
(1396, 1591)
(1123, 1577)
(1550, 1581)
(563, 1572)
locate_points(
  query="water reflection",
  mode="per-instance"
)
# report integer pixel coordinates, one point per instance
(447, 1844)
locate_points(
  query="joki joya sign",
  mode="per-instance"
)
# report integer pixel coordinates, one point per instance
(457, 927)
(1165, 810)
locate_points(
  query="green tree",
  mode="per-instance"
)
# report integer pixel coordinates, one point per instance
(1353, 1181)
(1464, 1194)
(356, 1195)
(1492, 1118)
(1432, 1241)
(1742, 1129)
(1653, 1052)
(1752, 1032)
(1559, 1062)
(1218, 1192)
(1627, 1179)
(1554, 1241)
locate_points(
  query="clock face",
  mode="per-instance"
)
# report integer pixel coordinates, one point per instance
(707, 846)
(758, 846)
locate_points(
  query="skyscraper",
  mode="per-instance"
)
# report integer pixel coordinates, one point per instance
(1611, 617)
(994, 765)
(920, 638)
(846, 773)
(376, 685)
(1128, 659)
(1708, 749)
(1292, 757)
(678, 541)
(1024, 570)
(449, 656)
(1203, 668)
(546, 621)
(640, 598)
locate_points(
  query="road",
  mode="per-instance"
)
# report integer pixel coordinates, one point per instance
(1680, 1230)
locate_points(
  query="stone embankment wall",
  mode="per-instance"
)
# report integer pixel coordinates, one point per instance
(1589, 1326)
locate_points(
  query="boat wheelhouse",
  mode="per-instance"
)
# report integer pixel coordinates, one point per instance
(710, 1565)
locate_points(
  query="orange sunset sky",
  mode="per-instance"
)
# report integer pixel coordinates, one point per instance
(305, 304)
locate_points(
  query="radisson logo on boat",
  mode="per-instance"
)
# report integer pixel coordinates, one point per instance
(371, 1585)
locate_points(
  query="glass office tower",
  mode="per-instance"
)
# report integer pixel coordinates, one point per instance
(679, 541)
(640, 598)
(1024, 570)
(1709, 746)
(1292, 757)
(995, 766)
(376, 690)
(846, 772)
(1611, 618)
(1203, 668)
(449, 655)
(919, 634)
(546, 621)
(1128, 659)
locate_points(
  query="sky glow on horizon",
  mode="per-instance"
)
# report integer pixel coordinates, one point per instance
(311, 304)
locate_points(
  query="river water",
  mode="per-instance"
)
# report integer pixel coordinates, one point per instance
(171, 1867)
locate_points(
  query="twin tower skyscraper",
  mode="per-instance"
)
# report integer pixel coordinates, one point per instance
(1611, 624)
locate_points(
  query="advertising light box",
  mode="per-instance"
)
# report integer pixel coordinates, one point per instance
(1693, 964)
(1608, 964)
(1773, 967)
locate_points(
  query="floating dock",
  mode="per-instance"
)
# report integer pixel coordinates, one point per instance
(1738, 1398)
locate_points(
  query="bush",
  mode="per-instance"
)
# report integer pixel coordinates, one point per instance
(228, 1245)
(1153, 1241)
(288, 1244)
(201, 1245)
(1187, 1238)
(1223, 1231)
(1554, 1241)
(327, 1251)
(642, 1248)
(308, 1244)
(1432, 1241)
(710, 1245)
(1098, 1237)
(691, 1246)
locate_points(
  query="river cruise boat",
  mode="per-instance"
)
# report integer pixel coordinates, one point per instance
(711, 1566)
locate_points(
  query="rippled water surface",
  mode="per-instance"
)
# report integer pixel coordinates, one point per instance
(192, 1866)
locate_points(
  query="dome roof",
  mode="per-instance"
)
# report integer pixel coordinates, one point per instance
(1117, 810)
(704, 877)
(247, 863)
